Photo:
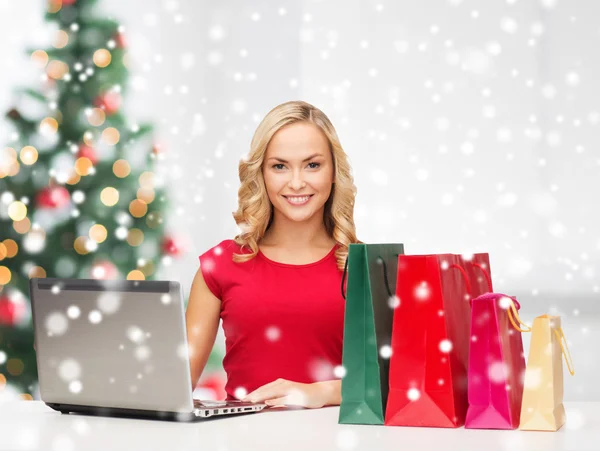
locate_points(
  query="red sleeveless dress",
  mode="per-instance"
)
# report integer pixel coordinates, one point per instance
(280, 320)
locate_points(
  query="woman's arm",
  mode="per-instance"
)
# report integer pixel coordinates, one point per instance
(202, 323)
(332, 392)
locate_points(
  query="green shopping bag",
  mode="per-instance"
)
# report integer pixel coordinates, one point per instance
(369, 312)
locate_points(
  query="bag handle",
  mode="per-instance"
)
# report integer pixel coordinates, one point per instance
(465, 277)
(565, 350)
(344, 276)
(560, 335)
(488, 279)
(514, 318)
(385, 277)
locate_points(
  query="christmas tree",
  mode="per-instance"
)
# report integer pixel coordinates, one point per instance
(78, 193)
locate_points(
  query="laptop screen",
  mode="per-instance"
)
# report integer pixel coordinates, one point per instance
(111, 343)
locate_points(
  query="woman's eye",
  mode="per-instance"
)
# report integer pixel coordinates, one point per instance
(276, 166)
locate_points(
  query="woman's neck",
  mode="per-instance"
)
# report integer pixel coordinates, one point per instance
(297, 235)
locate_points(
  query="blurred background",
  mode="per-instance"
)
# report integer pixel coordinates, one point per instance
(470, 126)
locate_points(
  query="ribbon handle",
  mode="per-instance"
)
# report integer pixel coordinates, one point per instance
(344, 277)
(565, 350)
(488, 279)
(385, 277)
(465, 278)
(514, 318)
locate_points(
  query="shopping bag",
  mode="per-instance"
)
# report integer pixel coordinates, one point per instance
(496, 363)
(430, 340)
(542, 408)
(371, 270)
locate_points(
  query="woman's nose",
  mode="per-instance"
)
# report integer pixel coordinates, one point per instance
(296, 182)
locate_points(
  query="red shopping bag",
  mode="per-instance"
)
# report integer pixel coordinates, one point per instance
(430, 338)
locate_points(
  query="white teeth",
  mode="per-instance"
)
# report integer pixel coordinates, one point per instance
(298, 200)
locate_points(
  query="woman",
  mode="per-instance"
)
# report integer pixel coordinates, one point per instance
(276, 286)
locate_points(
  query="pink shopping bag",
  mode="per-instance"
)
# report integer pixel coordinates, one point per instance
(496, 363)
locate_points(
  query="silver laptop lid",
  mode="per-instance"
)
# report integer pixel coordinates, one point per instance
(111, 343)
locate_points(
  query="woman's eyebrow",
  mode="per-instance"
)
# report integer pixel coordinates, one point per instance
(306, 159)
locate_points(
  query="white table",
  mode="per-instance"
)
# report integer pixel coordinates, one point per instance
(31, 425)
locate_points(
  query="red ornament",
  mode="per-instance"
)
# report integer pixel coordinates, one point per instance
(104, 270)
(120, 40)
(110, 102)
(53, 197)
(88, 152)
(157, 148)
(170, 246)
(11, 311)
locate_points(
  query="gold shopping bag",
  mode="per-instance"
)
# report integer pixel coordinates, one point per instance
(542, 408)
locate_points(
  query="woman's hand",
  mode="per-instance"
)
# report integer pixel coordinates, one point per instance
(288, 393)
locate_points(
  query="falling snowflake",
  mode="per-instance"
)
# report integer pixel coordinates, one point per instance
(498, 372)
(75, 387)
(142, 353)
(73, 312)
(135, 334)
(413, 394)
(385, 352)
(505, 302)
(240, 392)
(165, 298)
(445, 346)
(109, 302)
(273, 333)
(533, 378)
(57, 323)
(69, 370)
(423, 291)
(321, 370)
(339, 371)
(95, 317)
(184, 351)
(393, 302)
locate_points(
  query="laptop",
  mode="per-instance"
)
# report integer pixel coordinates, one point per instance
(117, 348)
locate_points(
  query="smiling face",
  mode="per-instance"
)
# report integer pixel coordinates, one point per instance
(298, 171)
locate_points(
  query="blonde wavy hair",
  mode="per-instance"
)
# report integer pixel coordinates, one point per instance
(255, 211)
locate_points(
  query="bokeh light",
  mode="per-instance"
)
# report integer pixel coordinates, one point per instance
(109, 196)
(121, 168)
(83, 166)
(98, 233)
(135, 275)
(135, 237)
(138, 208)
(102, 57)
(110, 136)
(17, 210)
(29, 155)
